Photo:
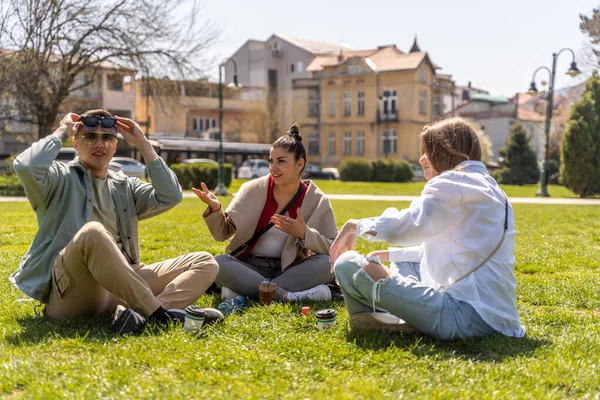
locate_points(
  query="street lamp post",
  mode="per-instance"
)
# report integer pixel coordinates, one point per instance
(221, 189)
(573, 71)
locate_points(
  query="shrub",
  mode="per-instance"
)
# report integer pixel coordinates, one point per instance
(383, 170)
(10, 186)
(190, 175)
(356, 169)
(403, 171)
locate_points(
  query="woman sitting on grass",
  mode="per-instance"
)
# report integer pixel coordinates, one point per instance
(457, 280)
(294, 252)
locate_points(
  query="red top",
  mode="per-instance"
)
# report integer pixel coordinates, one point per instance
(271, 208)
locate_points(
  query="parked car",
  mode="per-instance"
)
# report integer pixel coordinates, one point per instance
(67, 154)
(129, 166)
(313, 171)
(199, 160)
(253, 168)
(418, 174)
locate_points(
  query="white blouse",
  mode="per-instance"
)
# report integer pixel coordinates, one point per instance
(454, 225)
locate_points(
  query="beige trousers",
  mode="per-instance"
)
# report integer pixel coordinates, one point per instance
(91, 277)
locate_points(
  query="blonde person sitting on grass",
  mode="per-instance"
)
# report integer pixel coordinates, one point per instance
(455, 279)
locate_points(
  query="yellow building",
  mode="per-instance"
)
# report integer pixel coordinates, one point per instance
(191, 109)
(371, 103)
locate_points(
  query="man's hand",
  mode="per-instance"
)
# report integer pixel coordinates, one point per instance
(344, 241)
(70, 124)
(131, 131)
(294, 227)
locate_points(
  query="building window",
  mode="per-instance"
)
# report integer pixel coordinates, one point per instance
(214, 123)
(295, 67)
(389, 104)
(115, 82)
(436, 107)
(353, 69)
(360, 103)
(332, 143)
(423, 75)
(197, 124)
(332, 104)
(360, 143)
(347, 104)
(313, 143)
(422, 102)
(313, 105)
(347, 143)
(389, 142)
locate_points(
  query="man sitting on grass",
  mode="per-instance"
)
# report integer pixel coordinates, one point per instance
(85, 257)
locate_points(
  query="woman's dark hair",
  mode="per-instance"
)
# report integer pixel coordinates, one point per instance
(449, 142)
(292, 143)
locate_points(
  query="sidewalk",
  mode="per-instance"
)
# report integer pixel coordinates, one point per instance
(361, 197)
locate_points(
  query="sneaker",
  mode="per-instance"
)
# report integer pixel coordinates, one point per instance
(383, 322)
(227, 293)
(212, 315)
(125, 321)
(318, 293)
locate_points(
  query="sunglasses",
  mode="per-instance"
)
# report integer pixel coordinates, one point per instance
(93, 121)
(92, 137)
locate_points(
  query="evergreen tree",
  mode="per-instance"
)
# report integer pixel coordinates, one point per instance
(520, 163)
(593, 86)
(578, 150)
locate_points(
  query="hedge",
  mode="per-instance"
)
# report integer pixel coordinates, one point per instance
(190, 175)
(380, 170)
(10, 186)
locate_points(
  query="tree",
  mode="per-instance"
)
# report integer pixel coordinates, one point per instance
(484, 141)
(578, 148)
(53, 48)
(520, 163)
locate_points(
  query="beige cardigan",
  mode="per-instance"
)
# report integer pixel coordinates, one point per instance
(244, 211)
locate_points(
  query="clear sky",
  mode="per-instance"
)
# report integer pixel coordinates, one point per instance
(494, 44)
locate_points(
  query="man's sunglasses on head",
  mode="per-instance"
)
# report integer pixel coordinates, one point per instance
(93, 121)
(92, 137)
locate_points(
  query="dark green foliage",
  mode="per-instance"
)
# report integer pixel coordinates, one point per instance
(578, 150)
(380, 170)
(520, 163)
(356, 169)
(190, 175)
(383, 171)
(10, 186)
(403, 171)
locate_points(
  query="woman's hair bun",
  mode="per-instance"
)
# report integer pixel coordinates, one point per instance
(294, 132)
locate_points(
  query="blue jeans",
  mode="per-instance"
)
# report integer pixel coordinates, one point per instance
(402, 294)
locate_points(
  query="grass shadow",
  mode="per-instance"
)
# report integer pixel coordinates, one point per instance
(494, 348)
(37, 330)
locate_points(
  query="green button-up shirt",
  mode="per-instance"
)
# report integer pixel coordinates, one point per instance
(62, 196)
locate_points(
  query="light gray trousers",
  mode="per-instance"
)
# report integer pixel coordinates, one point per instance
(402, 294)
(244, 277)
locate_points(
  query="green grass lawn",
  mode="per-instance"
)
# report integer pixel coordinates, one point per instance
(413, 188)
(275, 352)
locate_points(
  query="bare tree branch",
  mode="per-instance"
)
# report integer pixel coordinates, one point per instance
(47, 44)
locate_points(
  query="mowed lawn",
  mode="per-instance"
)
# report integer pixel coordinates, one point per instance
(415, 188)
(275, 352)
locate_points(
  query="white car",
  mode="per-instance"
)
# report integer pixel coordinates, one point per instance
(254, 168)
(199, 161)
(129, 166)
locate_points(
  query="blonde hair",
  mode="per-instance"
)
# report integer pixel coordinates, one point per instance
(449, 142)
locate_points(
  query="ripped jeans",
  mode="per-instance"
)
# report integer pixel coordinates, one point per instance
(432, 312)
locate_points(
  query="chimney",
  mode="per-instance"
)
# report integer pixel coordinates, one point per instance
(469, 84)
